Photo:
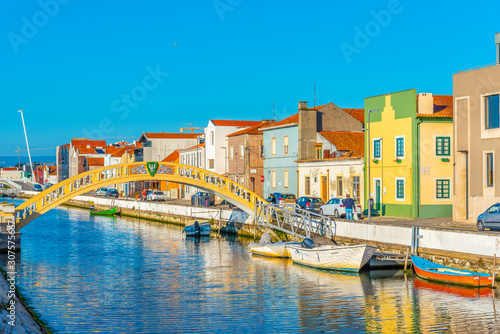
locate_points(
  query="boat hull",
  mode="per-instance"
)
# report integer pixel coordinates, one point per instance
(347, 258)
(276, 249)
(440, 273)
(204, 231)
(104, 213)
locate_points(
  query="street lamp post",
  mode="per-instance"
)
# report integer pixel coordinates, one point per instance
(369, 163)
(27, 146)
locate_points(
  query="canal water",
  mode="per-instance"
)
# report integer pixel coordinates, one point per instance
(87, 274)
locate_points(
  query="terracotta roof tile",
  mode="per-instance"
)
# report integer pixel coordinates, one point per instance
(85, 143)
(351, 141)
(220, 122)
(172, 157)
(84, 150)
(160, 135)
(319, 107)
(52, 170)
(95, 162)
(10, 168)
(289, 120)
(443, 106)
(195, 146)
(253, 129)
(357, 113)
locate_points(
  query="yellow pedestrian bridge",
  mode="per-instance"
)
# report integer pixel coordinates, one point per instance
(136, 171)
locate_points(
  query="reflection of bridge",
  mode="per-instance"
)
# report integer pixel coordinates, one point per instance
(136, 171)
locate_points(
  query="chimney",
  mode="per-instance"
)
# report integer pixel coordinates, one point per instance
(425, 104)
(497, 42)
(302, 105)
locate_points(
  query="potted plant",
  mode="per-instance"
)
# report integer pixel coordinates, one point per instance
(121, 193)
(397, 160)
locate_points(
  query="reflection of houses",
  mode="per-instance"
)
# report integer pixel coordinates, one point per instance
(245, 161)
(337, 169)
(216, 153)
(295, 138)
(476, 141)
(411, 162)
(193, 156)
(157, 146)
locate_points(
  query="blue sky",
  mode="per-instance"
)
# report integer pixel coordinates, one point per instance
(119, 68)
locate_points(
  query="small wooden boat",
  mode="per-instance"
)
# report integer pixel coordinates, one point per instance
(198, 230)
(331, 257)
(381, 260)
(438, 272)
(104, 213)
(274, 249)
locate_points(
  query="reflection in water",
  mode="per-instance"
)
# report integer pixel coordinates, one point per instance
(122, 275)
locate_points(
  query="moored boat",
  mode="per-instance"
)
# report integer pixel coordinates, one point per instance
(438, 272)
(104, 213)
(381, 260)
(198, 230)
(332, 257)
(271, 249)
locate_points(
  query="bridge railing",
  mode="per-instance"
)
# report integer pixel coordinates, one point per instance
(137, 171)
(291, 219)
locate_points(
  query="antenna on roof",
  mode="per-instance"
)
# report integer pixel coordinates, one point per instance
(314, 102)
(274, 114)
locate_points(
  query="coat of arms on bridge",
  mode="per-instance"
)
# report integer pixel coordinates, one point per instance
(152, 168)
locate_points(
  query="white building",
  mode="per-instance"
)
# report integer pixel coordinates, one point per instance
(216, 154)
(158, 146)
(11, 173)
(193, 156)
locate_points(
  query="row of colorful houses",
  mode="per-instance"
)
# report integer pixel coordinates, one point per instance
(405, 154)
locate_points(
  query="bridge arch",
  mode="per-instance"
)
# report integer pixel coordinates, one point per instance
(136, 171)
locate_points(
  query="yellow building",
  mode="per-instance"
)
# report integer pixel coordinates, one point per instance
(408, 154)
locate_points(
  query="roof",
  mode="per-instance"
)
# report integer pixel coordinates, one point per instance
(85, 150)
(319, 107)
(172, 157)
(52, 170)
(221, 122)
(95, 162)
(253, 130)
(122, 150)
(87, 142)
(10, 168)
(289, 120)
(195, 146)
(351, 141)
(160, 135)
(357, 113)
(443, 106)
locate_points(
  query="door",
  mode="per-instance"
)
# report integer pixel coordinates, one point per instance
(324, 188)
(378, 196)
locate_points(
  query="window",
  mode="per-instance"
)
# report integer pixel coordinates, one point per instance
(273, 146)
(261, 148)
(356, 188)
(146, 144)
(376, 148)
(489, 169)
(319, 151)
(211, 163)
(442, 188)
(339, 186)
(400, 189)
(212, 138)
(308, 185)
(491, 112)
(400, 147)
(242, 151)
(231, 152)
(285, 178)
(273, 179)
(285, 144)
(443, 146)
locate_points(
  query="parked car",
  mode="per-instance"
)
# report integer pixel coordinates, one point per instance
(282, 198)
(112, 193)
(157, 196)
(47, 185)
(490, 218)
(200, 194)
(335, 207)
(102, 192)
(37, 187)
(310, 203)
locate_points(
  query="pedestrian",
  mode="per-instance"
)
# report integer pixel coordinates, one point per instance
(272, 199)
(349, 206)
(144, 194)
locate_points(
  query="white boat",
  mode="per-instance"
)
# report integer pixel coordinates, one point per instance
(331, 257)
(271, 249)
